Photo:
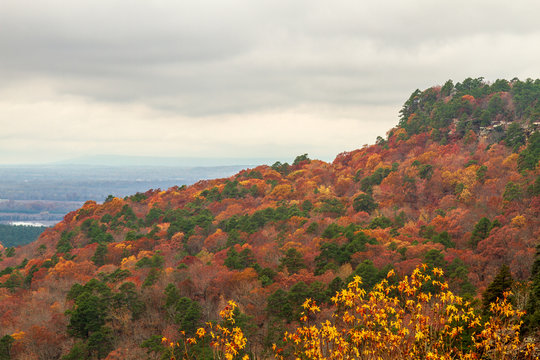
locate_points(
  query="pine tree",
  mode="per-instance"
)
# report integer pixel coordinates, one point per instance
(501, 283)
(99, 255)
(532, 318)
(5, 347)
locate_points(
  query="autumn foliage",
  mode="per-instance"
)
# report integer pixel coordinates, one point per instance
(414, 318)
(455, 185)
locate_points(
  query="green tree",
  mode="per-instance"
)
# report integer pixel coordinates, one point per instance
(278, 306)
(495, 107)
(447, 88)
(369, 273)
(293, 261)
(481, 231)
(153, 215)
(434, 258)
(332, 206)
(380, 222)
(335, 285)
(152, 277)
(307, 206)
(99, 255)
(332, 231)
(129, 298)
(425, 171)
(364, 202)
(87, 316)
(100, 343)
(172, 295)
(64, 244)
(298, 293)
(457, 273)
(5, 347)
(481, 174)
(239, 261)
(410, 107)
(184, 311)
(79, 351)
(528, 158)
(283, 169)
(515, 136)
(501, 283)
(87, 319)
(301, 158)
(187, 315)
(532, 317)
(154, 345)
(534, 188)
(444, 238)
(499, 85)
(512, 191)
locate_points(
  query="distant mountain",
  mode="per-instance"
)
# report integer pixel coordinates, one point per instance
(455, 186)
(120, 160)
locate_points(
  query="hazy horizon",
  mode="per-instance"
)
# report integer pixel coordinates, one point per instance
(110, 160)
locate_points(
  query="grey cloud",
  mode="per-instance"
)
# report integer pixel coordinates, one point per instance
(211, 57)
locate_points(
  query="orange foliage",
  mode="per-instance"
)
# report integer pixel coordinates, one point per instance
(282, 191)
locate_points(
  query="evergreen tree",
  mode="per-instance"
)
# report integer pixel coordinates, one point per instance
(99, 255)
(5, 347)
(293, 261)
(532, 318)
(515, 136)
(481, 231)
(501, 283)
(364, 202)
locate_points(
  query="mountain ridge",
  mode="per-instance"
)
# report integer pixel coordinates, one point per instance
(445, 188)
(127, 160)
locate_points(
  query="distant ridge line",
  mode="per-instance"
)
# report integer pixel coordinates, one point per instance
(126, 160)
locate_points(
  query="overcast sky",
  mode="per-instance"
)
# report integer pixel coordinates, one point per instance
(242, 78)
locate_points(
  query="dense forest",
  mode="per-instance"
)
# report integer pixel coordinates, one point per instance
(16, 235)
(426, 241)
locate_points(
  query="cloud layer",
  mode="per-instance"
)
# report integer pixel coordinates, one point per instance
(238, 78)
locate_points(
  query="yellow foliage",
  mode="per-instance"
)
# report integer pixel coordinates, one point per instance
(324, 190)
(282, 191)
(400, 320)
(112, 205)
(18, 335)
(226, 339)
(395, 320)
(177, 237)
(296, 174)
(144, 253)
(205, 256)
(373, 161)
(465, 195)
(309, 185)
(519, 221)
(511, 161)
(427, 157)
(128, 262)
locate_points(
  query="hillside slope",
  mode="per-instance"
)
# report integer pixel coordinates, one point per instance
(455, 185)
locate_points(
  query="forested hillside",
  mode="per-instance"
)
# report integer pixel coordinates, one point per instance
(455, 186)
